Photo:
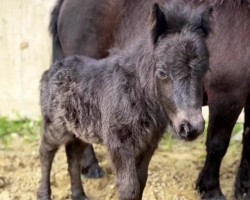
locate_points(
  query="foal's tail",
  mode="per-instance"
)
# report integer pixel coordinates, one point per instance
(57, 53)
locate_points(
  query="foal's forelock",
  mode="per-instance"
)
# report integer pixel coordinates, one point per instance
(193, 65)
(187, 59)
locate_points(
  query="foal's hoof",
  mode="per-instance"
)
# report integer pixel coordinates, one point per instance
(79, 198)
(93, 171)
(43, 198)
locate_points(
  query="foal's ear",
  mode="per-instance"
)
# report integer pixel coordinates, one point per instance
(205, 20)
(158, 23)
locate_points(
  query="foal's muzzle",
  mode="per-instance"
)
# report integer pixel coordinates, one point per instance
(189, 132)
(190, 129)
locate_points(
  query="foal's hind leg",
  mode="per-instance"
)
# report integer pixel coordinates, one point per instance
(242, 185)
(90, 166)
(74, 151)
(223, 114)
(47, 153)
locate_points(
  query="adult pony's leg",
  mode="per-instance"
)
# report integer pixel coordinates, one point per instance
(74, 151)
(242, 185)
(90, 166)
(224, 110)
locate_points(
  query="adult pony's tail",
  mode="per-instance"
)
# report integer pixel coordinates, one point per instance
(57, 53)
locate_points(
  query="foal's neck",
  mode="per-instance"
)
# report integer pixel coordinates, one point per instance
(140, 55)
(142, 58)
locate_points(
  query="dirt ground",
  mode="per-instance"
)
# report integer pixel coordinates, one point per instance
(173, 171)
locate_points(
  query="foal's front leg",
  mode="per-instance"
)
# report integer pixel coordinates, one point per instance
(125, 166)
(74, 151)
(142, 168)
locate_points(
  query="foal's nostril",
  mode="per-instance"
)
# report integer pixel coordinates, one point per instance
(184, 129)
(188, 132)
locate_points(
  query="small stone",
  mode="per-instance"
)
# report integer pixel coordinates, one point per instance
(24, 45)
(2, 182)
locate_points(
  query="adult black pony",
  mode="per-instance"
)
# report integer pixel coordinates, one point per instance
(99, 28)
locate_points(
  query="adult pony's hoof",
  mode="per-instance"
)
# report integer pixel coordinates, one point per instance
(241, 192)
(207, 194)
(242, 196)
(212, 195)
(93, 171)
(242, 184)
(208, 187)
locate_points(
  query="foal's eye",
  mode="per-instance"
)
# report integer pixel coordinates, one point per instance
(161, 73)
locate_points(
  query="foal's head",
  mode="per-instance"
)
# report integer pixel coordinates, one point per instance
(181, 55)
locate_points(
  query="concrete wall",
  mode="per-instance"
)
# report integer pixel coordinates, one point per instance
(25, 52)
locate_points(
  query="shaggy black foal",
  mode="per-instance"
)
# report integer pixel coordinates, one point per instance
(127, 100)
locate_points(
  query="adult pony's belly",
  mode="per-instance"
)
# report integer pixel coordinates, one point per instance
(229, 47)
(85, 27)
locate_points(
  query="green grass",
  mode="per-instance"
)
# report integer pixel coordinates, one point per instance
(237, 128)
(28, 129)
